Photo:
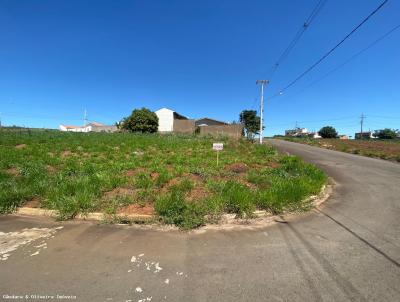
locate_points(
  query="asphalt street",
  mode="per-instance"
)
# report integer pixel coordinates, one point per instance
(346, 250)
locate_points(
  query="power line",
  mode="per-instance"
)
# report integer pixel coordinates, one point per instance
(385, 117)
(318, 121)
(298, 35)
(350, 59)
(333, 48)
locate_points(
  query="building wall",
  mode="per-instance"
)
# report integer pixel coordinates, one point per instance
(364, 135)
(103, 128)
(208, 122)
(184, 126)
(165, 120)
(233, 131)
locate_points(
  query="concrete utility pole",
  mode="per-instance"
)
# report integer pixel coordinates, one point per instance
(85, 118)
(262, 82)
(362, 122)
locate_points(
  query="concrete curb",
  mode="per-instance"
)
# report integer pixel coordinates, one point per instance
(228, 221)
(89, 216)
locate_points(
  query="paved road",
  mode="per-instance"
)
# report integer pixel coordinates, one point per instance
(348, 250)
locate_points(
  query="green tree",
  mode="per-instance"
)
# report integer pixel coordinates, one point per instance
(328, 132)
(141, 120)
(385, 133)
(251, 122)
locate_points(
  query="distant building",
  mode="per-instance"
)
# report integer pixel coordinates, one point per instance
(297, 132)
(166, 119)
(314, 135)
(70, 128)
(91, 127)
(343, 136)
(363, 135)
(169, 121)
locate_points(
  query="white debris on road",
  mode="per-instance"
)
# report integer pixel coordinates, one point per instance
(35, 253)
(154, 267)
(150, 265)
(157, 267)
(11, 241)
(43, 245)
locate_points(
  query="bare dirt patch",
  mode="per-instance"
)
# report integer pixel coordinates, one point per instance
(154, 176)
(174, 182)
(13, 171)
(33, 203)
(51, 169)
(66, 153)
(134, 172)
(20, 146)
(120, 192)
(147, 209)
(248, 184)
(237, 168)
(193, 177)
(197, 193)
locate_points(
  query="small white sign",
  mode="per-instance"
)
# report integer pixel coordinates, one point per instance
(218, 146)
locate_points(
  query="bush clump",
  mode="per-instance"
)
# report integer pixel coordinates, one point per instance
(173, 209)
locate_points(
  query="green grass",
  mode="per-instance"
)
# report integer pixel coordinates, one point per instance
(176, 175)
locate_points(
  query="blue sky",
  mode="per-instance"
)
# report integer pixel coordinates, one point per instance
(200, 58)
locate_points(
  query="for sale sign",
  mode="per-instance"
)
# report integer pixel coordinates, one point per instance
(218, 146)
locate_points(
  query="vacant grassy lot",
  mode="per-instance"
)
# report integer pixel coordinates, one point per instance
(174, 178)
(385, 149)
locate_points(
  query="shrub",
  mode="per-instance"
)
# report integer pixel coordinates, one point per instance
(238, 199)
(291, 183)
(385, 133)
(173, 209)
(328, 132)
(141, 120)
(251, 122)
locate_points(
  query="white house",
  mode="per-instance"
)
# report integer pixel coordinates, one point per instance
(297, 132)
(91, 127)
(71, 128)
(166, 119)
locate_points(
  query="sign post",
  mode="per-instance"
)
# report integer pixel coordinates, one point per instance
(218, 147)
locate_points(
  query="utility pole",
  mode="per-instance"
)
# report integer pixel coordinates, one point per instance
(262, 82)
(85, 118)
(361, 123)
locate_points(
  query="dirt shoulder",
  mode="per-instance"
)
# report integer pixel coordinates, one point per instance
(383, 149)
